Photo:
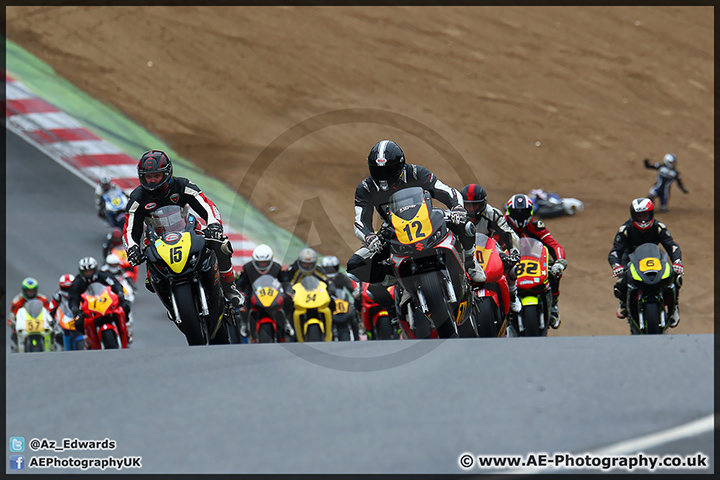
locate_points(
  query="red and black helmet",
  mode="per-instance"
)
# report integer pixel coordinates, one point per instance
(386, 161)
(66, 281)
(475, 200)
(642, 211)
(155, 161)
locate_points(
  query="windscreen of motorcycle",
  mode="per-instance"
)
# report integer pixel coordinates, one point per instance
(410, 215)
(168, 219)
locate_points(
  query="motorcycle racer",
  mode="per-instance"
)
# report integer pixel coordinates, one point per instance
(89, 273)
(667, 174)
(518, 213)
(388, 174)
(490, 221)
(158, 187)
(101, 189)
(641, 228)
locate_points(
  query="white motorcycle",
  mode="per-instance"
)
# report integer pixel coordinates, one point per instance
(34, 327)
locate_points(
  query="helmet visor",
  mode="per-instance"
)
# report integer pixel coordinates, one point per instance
(307, 266)
(475, 206)
(262, 265)
(642, 217)
(386, 172)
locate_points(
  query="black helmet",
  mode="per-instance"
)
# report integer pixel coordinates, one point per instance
(519, 211)
(387, 163)
(475, 200)
(642, 213)
(155, 161)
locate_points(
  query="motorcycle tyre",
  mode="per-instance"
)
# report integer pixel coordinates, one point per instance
(266, 333)
(531, 321)
(314, 334)
(109, 340)
(652, 318)
(190, 325)
(485, 317)
(384, 328)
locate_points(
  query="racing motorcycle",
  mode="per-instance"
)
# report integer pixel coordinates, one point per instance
(379, 324)
(312, 317)
(115, 203)
(266, 316)
(491, 299)
(533, 290)
(34, 327)
(433, 290)
(185, 276)
(550, 204)
(652, 290)
(343, 315)
(71, 338)
(104, 318)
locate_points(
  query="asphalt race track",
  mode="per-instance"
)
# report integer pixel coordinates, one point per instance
(362, 407)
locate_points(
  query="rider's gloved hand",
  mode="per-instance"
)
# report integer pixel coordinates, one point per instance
(617, 270)
(214, 231)
(514, 255)
(558, 267)
(458, 215)
(80, 322)
(134, 256)
(373, 243)
(678, 267)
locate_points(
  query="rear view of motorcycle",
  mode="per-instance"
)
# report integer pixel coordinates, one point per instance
(534, 291)
(185, 276)
(652, 290)
(434, 291)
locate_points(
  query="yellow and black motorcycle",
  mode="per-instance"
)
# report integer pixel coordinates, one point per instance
(184, 274)
(312, 316)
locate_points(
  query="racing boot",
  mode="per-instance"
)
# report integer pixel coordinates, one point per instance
(675, 317)
(622, 311)
(555, 314)
(515, 305)
(473, 268)
(227, 281)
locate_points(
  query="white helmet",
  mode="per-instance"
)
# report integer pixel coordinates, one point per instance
(330, 265)
(262, 258)
(670, 160)
(113, 263)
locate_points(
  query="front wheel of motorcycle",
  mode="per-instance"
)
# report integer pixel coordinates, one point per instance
(484, 313)
(109, 340)
(531, 321)
(384, 328)
(314, 334)
(651, 316)
(188, 314)
(266, 333)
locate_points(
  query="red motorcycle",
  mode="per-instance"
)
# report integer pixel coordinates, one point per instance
(266, 315)
(491, 299)
(105, 326)
(377, 320)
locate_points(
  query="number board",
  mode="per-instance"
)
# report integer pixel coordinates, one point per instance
(417, 228)
(100, 303)
(650, 265)
(266, 295)
(341, 306)
(175, 255)
(529, 268)
(34, 325)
